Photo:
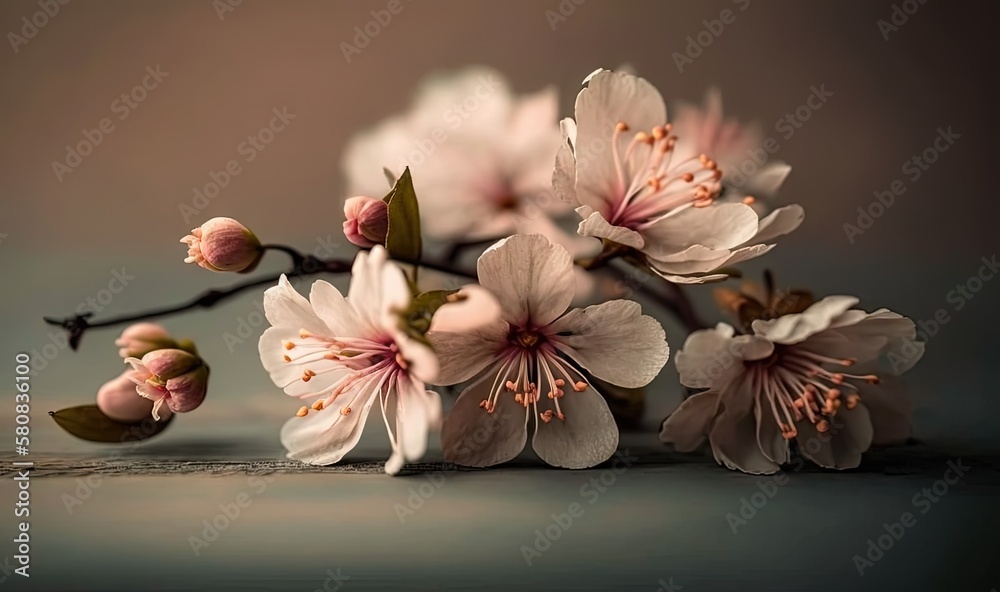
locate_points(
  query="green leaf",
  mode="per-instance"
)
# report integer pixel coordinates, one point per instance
(87, 422)
(415, 321)
(402, 239)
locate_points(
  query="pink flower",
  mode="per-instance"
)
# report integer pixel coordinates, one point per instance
(170, 377)
(140, 339)
(223, 244)
(119, 400)
(367, 221)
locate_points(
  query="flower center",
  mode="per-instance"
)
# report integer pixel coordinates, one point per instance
(369, 362)
(650, 185)
(796, 386)
(527, 339)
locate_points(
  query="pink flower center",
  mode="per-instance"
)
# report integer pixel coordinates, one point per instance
(650, 185)
(374, 364)
(794, 383)
(529, 366)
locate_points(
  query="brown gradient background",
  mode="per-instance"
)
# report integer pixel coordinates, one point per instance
(121, 206)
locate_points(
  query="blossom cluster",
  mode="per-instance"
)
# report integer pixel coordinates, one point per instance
(558, 205)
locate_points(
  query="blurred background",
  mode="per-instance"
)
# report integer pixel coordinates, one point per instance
(899, 72)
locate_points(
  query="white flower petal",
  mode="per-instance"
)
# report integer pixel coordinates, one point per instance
(586, 437)
(474, 438)
(778, 223)
(794, 328)
(768, 180)
(285, 307)
(595, 225)
(610, 97)
(288, 375)
(734, 434)
(415, 410)
(769, 437)
(688, 426)
(476, 307)
(564, 172)
(531, 277)
(614, 341)
(464, 355)
(718, 227)
(706, 359)
(421, 361)
(324, 437)
(841, 446)
(333, 309)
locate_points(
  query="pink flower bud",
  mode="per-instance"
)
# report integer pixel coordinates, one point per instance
(140, 339)
(367, 221)
(223, 244)
(119, 400)
(170, 377)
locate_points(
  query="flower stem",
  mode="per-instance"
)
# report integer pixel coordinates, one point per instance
(302, 265)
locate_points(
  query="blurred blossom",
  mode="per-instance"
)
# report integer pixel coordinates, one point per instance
(522, 366)
(481, 159)
(618, 163)
(732, 144)
(366, 221)
(170, 377)
(223, 244)
(810, 376)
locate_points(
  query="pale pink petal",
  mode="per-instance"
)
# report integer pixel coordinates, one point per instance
(586, 437)
(595, 225)
(475, 307)
(795, 328)
(464, 355)
(472, 437)
(688, 426)
(614, 341)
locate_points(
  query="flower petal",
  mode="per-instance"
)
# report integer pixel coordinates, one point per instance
(614, 341)
(324, 437)
(595, 225)
(890, 409)
(795, 328)
(769, 437)
(422, 362)
(734, 434)
(415, 411)
(719, 227)
(705, 360)
(778, 223)
(841, 446)
(688, 426)
(464, 355)
(474, 438)
(476, 307)
(586, 437)
(531, 277)
(285, 307)
(610, 97)
(333, 309)
(564, 172)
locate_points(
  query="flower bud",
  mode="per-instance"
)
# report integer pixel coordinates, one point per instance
(367, 221)
(223, 244)
(119, 400)
(140, 339)
(170, 377)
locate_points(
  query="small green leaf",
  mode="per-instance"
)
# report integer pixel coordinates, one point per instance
(415, 321)
(87, 422)
(402, 239)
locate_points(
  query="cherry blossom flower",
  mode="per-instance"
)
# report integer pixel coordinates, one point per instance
(524, 363)
(481, 158)
(119, 400)
(812, 376)
(173, 378)
(618, 163)
(342, 355)
(739, 149)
